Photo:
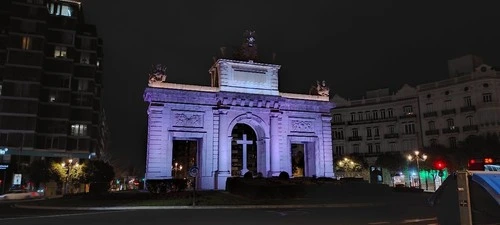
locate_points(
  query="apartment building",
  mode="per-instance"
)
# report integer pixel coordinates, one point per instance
(442, 112)
(51, 65)
(380, 122)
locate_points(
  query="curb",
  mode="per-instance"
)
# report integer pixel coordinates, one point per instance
(119, 208)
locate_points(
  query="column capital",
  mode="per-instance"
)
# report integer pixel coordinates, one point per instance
(276, 114)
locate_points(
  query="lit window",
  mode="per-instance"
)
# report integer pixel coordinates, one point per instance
(60, 52)
(83, 85)
(98, 63)
(52, 98)
(66, 10)
(85, 58)
(78, 129)
(60, 10)
(26, 43)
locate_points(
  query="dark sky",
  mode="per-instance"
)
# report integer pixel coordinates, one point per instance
(354, 45)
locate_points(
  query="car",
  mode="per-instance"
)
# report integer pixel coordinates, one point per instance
(19, 194)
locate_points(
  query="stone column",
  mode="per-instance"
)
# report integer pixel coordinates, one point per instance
(275, 147)
(224, 170)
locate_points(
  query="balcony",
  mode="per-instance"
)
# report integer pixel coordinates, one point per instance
(470, 128)
(470, 108)
(408, 115)
(448, 111)
(338, 123)
(430, 114)
(355, 138)
(391, 136)
(379, 120)
(450, 130)
(432, 132)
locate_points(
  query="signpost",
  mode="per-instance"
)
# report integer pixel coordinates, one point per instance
(4, 168)
(193, 172)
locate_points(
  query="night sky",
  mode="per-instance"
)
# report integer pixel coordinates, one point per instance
(354, 45)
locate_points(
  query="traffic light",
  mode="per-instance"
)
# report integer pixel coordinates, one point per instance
(440, 165)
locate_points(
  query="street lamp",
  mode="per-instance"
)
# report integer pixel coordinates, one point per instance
(346, 163)
(69, 166)
(417, 158)
(175, 168)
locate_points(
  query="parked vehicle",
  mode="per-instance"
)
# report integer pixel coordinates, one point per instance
(19, 194)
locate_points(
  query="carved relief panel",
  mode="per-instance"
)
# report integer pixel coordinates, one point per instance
(187, 119)
(301, 125)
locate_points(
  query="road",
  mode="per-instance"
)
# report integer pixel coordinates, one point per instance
(411, 214)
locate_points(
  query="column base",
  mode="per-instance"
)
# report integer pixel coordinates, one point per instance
(221, 179)
(273, 173)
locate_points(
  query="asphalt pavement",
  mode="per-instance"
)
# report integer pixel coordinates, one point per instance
(393, 211)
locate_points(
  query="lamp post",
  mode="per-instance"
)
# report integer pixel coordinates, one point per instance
(69, 167)
(175, 168)
(417, 158)
(345, 164)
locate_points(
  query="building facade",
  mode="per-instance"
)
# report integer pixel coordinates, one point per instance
(51, 65)
(443, 112)
(239, 124)
(376, 124)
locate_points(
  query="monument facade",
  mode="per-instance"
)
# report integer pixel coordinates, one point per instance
(241, 123)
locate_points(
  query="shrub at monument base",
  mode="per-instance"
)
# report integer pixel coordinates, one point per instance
(264, 188)
(166, 185)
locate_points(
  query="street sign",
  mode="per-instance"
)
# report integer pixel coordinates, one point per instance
(4, 166)
(193, 171)
(17, 179)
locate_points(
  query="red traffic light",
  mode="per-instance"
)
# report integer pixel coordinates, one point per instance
(440, 165)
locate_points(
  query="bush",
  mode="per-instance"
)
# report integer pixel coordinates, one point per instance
(264, 188)
(99, 188)
(166, 185)
(284, 176)
(248, 175)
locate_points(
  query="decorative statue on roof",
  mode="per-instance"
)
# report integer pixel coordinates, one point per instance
(320, 89)
(248, 49)
(157, 74)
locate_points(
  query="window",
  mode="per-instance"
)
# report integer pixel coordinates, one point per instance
(409, 128)
(447, 104)
(377, 147)
(85, 58)
(470, 120)
(60, 9)
(60, 52)
(355, 148)
(353, 116)
(375, 131)
(429, 107)
(375, 114)
(28, 26)
(336, 117)
(432, 125)
(467, 101)
(408, 110)
(393, 147)
(360, 116)
(389, 113)
(26, 43)
(391, 129)
(368, 115)
(52, 98)
(382, 113)
(453, 142)
(338, 134)
(83, 85)
(434, 142)
(85, 43)
(370, 147)
(79, 130)
(450, 123)
(487, 97)
(339, 150)
(368, 132)
(355, 132)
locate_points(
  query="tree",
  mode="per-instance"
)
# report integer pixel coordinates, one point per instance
(72, 175)
(39, 172)
(350, 163)
(99, 174)
(393, 162)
